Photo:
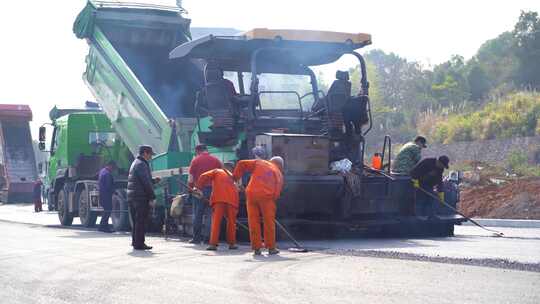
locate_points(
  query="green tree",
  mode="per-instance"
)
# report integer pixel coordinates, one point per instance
(518, 114)
(497, 59)
(450, 85)
(402, 85)
(373, 79)
(478, 81)
(527, 35)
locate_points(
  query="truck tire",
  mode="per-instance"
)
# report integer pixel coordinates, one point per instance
(65, 217)
(87, 216)
(120, 213)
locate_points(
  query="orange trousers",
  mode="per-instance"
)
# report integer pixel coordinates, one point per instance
(218, 211)
(266, 208)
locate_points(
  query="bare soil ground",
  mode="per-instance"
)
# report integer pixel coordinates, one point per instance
(517, 198)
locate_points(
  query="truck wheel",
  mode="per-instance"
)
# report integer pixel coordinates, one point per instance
(65, 217)
(120, 213)
(87, 216)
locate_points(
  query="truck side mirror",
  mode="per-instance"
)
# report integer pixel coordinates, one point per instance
(42, 136)
(41, 146)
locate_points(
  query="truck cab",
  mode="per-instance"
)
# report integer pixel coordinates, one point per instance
(82, 141)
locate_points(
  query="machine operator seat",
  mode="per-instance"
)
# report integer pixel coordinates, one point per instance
(218, 94)
(341, 85)
(338, 95)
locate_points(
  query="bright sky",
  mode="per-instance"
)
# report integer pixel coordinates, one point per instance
(41, 61)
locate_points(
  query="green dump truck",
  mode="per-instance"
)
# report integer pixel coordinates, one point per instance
(159, 87)
(148, 99)
(82, 141)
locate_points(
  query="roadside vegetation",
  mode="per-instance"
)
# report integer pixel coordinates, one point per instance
(517, 164)
(491, 95)
(516, 114)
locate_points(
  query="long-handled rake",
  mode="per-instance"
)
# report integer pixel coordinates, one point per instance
(495, 232)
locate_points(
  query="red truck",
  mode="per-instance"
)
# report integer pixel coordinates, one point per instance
(18, 171)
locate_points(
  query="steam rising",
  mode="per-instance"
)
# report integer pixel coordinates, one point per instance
(172, 84)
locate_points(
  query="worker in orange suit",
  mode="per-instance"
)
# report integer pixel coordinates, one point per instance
(262, 192)
(224, 202)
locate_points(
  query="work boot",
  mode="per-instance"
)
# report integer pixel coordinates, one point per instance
(233, 247)
(257, 252)
(273, 251)
(143, 247)
(211, 248)
(146, 247)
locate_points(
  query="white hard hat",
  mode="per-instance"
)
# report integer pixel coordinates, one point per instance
(278, 160)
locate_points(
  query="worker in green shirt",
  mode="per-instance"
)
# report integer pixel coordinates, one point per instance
(409, 155)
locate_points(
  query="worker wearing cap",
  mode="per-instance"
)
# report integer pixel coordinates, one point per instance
(224, 202)
(262, 192)
(258, 152)
(202, 163)
(140, 192)
(426, 175)
(409, 155)
(106, 190)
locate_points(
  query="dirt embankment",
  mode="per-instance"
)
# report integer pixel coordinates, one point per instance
(515, 199)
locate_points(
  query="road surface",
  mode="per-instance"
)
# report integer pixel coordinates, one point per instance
(41, 263)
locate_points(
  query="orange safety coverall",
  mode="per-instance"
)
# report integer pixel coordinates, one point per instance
(262, 192)
(376, 162)
(223, 200)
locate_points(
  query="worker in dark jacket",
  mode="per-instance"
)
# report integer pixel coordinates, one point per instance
(426, 175)
(140, 192)
(106, 190)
